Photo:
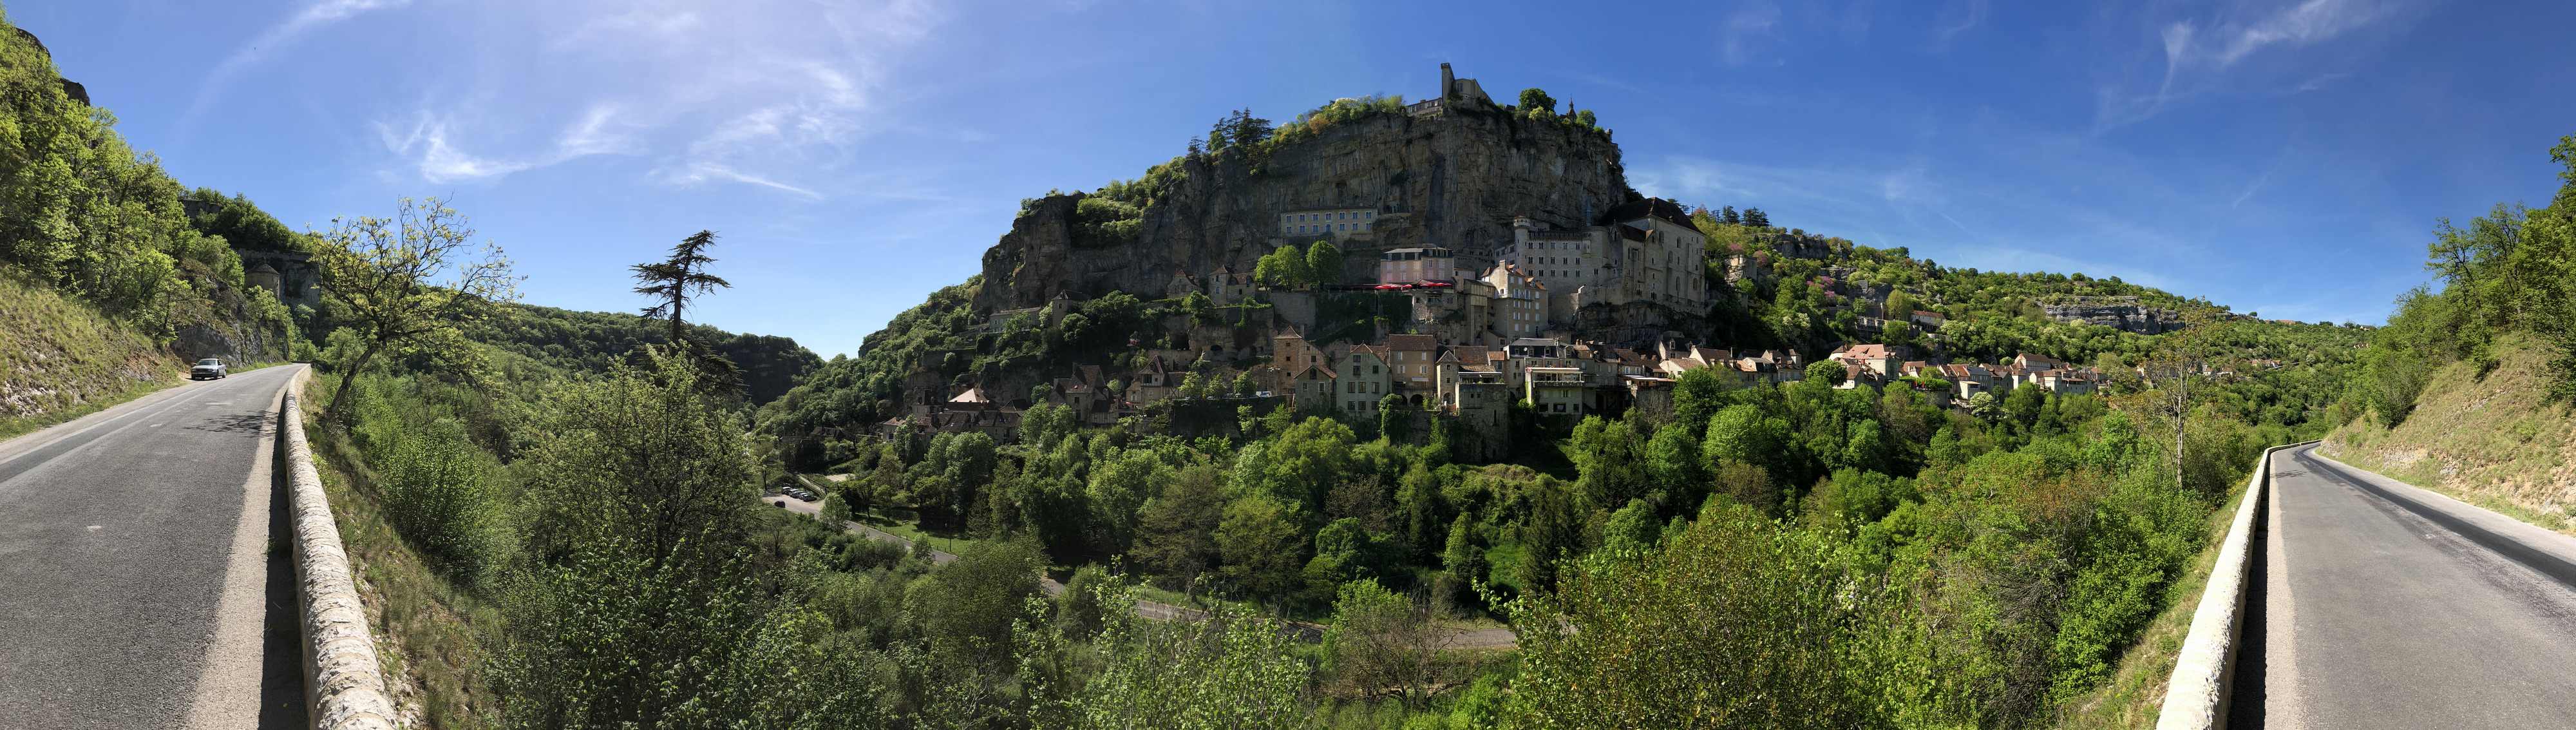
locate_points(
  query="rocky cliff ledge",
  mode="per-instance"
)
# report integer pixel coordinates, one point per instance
(1452, 178)
(2118, 313)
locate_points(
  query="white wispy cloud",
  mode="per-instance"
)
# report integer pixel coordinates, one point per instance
(1747, 34)
(768, 93)
(269, 43)
(2199, 52)
(1955, 18)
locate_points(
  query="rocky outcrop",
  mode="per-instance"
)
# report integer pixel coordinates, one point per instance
(1453, 179)
(2124, 313)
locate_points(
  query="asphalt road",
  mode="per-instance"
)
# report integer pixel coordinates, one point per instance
(2382, 605)
(136, 586)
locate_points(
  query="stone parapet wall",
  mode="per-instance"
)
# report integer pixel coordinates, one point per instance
(344, 687)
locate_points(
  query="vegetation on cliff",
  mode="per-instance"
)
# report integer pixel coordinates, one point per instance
(88, 218)
(2468, 388)
(59, 359)
(2512, 271)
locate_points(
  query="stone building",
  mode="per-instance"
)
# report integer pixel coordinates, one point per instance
(1227, 287)
(1363, 377)
(297, 279)
(1338, 224)
(1410, 363)
(1554, 390)
(1418, 266)
(1518, 305)
(1644, 251)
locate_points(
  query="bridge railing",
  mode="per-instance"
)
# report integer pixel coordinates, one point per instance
(2196, 696)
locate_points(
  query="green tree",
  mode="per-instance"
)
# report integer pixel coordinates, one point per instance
(1302, 465)
(641, 607)
(1383, 644)
(1828, 372)
(1176, 532)
(2025, 401)
(1632, 530)
(1553, 533)
(1461, 556)
(1395, 418)
(1747, 484)
(1238, 128)
(436, 491)
(1324, 263)
(1234, 670)
(1744, 434)
(672, 281)
(1119, 487)
(1613, 469)
(1283, 269)
(1731, 603)
(1534, 100)
(1984, 405)
(1260, 545)
(1674, 465)
(406, 282)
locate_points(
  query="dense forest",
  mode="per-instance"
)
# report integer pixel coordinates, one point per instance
(1916, 566)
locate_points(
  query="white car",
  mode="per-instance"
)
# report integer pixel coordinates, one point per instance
(207, 368)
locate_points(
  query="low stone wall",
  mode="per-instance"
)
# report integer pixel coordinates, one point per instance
(344, 687)
(2196, 695)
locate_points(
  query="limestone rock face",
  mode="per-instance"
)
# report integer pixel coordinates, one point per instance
(1452, 180)
(2116, 312)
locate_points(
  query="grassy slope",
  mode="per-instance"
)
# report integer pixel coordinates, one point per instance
(433, 636)
(60, 360)
(2136, 691)
(2493, 442)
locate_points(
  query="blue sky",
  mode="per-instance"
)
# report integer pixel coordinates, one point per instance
(2281, 157)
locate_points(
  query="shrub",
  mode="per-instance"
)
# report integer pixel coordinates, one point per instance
(435, 490)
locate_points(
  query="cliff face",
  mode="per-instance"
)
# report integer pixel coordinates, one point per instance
(1453, 180)
(2119, 313)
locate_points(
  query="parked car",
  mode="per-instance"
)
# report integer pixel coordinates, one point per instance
(207, 368)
